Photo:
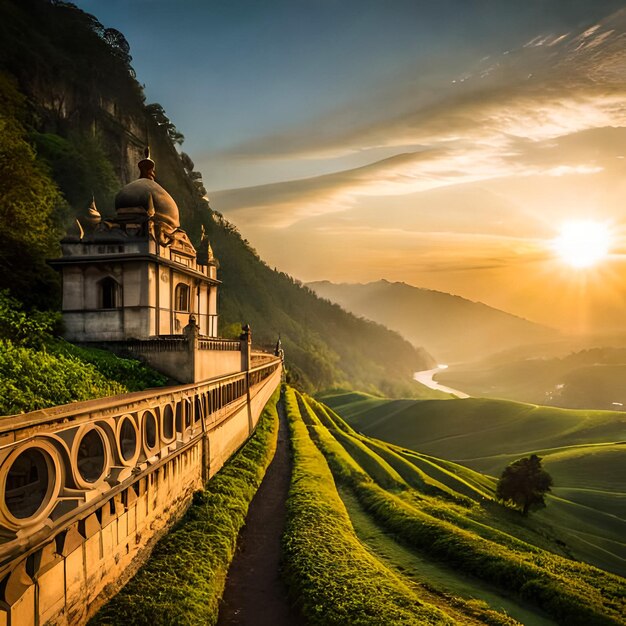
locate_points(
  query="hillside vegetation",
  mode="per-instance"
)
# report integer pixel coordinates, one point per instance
(38, 370)
(443, 543)
(450, 327)
(74, 121)
(585, 379)
(584, 451)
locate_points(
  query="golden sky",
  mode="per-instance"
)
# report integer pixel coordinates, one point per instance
(464, 189)
(443, 144)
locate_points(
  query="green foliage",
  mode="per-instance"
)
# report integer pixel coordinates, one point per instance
(524, 483)
(184, 578)
(30, 329)
(80, 168)
(133, 375)
(571, 592)
(33, 379)
(30, 202)
(38, 371)
(156, 111)
(335, 580)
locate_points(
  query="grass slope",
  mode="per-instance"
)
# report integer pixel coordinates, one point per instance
(479, 538)
(583, 450)
(335, 579)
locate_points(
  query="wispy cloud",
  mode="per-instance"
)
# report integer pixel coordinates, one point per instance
(505, 118)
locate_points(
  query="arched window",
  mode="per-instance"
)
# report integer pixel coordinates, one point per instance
(109, 293)
(181, 297)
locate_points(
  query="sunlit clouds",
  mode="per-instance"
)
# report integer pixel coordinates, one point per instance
(463, 185)
(442, 144)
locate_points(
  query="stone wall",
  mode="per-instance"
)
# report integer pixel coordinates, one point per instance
(86, 489)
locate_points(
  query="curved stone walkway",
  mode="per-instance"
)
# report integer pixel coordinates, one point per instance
(254, 594)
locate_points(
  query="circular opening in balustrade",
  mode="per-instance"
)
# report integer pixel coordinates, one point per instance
(91, 456)
(127, 439)
(168, 422)
(150, 430)
(28, 483)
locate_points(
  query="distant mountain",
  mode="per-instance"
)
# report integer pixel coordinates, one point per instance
(451, 328)
(75, 123)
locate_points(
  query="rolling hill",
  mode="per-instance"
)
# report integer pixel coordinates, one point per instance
(585, 451)
(444, 551)
(451, 328)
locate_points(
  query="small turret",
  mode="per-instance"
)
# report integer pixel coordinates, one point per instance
(205, 254)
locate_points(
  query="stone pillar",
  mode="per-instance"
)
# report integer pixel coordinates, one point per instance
(192, 332)
(246, 347)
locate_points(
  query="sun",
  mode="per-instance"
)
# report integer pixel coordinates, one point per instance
(583, 243)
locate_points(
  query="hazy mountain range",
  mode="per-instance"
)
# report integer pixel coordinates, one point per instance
(451, 328)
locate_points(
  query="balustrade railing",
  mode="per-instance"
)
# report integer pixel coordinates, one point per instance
(55, 462)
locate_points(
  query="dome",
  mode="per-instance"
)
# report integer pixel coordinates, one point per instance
(137, 194)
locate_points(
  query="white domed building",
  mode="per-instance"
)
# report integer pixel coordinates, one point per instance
(136, 276)
(136, 283)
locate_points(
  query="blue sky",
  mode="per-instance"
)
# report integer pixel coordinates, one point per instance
(439, 143)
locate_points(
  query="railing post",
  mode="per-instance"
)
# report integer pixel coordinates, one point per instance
(192, 332)
(246, 349)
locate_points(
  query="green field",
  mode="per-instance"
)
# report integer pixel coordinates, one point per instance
(584, 451)
(439, 539)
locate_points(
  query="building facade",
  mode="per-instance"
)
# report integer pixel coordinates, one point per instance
(86, 489)
(137, 275)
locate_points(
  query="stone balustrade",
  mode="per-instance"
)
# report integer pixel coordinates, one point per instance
(87, 488)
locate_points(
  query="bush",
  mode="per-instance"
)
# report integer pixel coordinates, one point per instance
(38, 371)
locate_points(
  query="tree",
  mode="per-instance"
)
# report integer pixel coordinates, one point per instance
(157, 112)
(30, 209)
(524, 484)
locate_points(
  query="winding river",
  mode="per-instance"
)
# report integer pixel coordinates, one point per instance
(426, 378)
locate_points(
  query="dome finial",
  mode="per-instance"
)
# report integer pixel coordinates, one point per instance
(146, 165)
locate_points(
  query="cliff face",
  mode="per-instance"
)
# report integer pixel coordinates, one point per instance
(88, 122)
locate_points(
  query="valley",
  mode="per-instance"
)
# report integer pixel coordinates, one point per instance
(584, 451)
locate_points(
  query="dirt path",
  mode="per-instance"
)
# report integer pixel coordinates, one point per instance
(254, 594)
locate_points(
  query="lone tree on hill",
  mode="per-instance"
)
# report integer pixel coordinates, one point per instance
(524, 483)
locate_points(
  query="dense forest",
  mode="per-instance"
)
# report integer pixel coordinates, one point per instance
(74, 121)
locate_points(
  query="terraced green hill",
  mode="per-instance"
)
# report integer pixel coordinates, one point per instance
(433, 546)
(584, 451)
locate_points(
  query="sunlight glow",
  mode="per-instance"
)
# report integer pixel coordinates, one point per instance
(583, 243)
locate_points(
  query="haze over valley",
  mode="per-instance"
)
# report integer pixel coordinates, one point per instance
(313, 311)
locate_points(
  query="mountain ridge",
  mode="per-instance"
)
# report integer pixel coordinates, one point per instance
(437, 320)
